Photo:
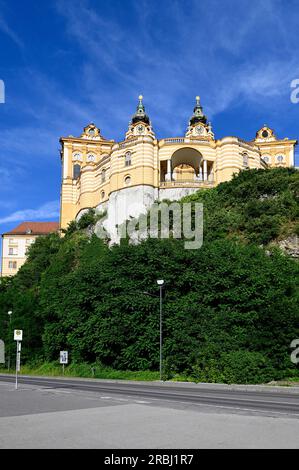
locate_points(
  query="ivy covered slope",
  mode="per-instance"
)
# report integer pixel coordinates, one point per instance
(257, 206)
(230, 307)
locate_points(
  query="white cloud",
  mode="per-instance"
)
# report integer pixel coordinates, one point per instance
(47, 211)
(4, 28)
(224, 53)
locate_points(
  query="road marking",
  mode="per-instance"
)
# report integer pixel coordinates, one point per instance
(227, 407)
(263, 400)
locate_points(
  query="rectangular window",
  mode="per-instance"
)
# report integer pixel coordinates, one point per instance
(12, 251)
(12, 265)
(128, 159)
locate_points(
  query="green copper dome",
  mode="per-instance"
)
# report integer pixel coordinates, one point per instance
(140, 115)
(198, 115)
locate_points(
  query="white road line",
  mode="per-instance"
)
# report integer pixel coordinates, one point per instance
(227, 407)
(225, 398)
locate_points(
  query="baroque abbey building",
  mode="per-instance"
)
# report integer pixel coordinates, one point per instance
(125, 178)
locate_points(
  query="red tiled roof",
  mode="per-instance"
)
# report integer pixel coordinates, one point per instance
(37, 228)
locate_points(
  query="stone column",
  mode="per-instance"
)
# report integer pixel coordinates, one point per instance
(211, 175)
(205, 170)
(168, 176)
(200, 172)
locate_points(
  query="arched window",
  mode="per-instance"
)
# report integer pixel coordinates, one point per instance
(91, 158)
(280, 158)
(103, 176)
(128, 159)
(76, 171)
(127, 180)
(245, 159)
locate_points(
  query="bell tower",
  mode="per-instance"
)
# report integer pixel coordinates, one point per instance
(198, 126)
(140, 124)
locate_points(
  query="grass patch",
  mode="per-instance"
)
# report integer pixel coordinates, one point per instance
(98, 371)
(52, 369)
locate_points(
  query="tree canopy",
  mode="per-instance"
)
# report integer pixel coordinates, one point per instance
(230, 308)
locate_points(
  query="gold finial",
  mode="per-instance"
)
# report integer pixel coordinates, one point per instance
(140, 97)
(197, 98)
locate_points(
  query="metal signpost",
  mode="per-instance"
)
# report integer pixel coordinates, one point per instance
(64, 359)
(18, 336)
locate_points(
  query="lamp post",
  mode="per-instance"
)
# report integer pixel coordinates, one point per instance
(9, 313)
(160, 283)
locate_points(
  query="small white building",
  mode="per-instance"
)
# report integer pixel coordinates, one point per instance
(16, 242)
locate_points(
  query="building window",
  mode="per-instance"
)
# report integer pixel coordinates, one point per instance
(266, 158)
(91, 158)
(11, 241)
(12, 251)
(103, 176)
(128, 180)
(77, 157)
(128, 159)
(245, 159)
(12, 265)
(280, 158)
(76, 171)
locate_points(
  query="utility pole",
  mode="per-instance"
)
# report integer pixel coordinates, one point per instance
(160, 283)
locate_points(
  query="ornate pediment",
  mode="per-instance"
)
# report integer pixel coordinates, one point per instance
(265, 134)
(91, 132)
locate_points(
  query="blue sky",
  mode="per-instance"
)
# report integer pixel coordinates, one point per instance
(66, 63)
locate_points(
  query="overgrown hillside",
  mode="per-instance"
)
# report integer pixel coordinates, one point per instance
(256, 206)
(230, 307)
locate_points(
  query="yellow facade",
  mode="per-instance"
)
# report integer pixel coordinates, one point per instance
(95, 168)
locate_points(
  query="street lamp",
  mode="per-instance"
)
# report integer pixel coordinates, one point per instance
(160, 283)
(9, 313)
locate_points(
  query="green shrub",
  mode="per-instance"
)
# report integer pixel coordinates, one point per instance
(239, 367)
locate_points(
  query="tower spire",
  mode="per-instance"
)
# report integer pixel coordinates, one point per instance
(198, 115)
(140, 115)
(140, 124)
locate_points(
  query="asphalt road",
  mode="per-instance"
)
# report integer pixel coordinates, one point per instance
(259, 399)
(101, 414)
